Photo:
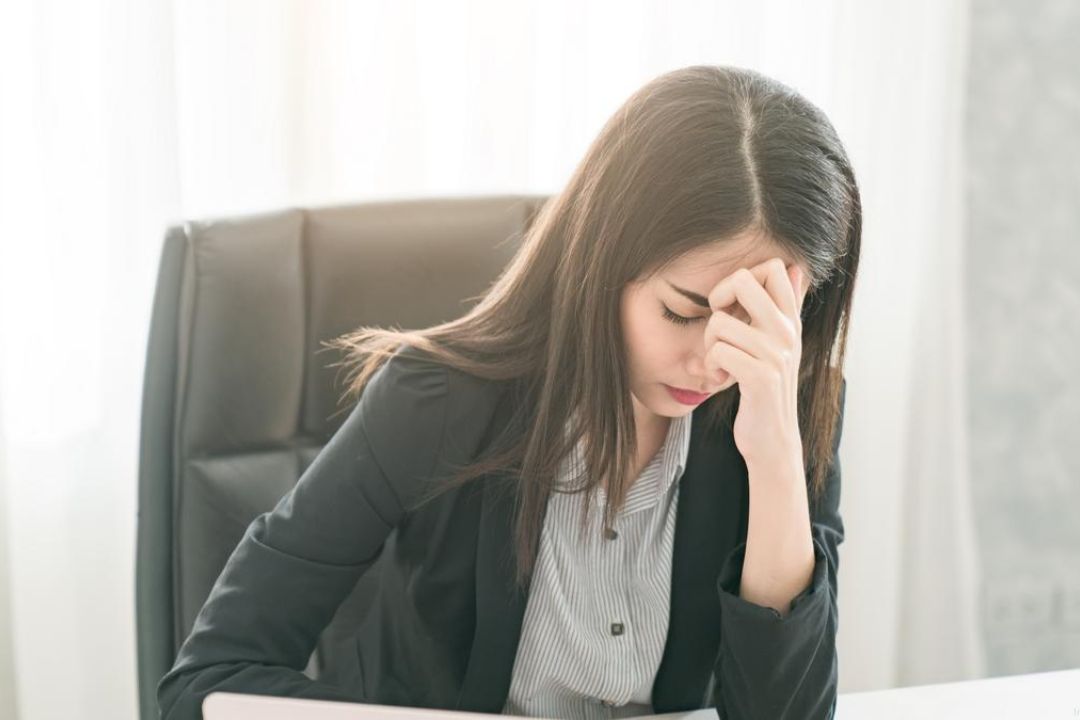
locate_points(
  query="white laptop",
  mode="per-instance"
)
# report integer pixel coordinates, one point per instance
(236, 706)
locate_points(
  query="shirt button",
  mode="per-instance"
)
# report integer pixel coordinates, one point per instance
(617, 628)
(610, 534)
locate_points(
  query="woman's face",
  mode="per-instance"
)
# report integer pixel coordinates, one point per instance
(666, 351)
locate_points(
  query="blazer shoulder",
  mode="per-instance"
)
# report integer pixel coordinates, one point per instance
(423, 417)
(469, 398)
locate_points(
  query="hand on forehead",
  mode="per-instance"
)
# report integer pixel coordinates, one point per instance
(707, 268)
(784, 283)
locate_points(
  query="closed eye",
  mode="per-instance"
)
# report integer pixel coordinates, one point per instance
(678, 319)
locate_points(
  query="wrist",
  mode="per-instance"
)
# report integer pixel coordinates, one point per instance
(783, 462)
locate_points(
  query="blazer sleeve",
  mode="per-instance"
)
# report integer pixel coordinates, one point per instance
(294, 565)
(785, 667)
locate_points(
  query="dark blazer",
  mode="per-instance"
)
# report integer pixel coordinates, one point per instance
(444, 629)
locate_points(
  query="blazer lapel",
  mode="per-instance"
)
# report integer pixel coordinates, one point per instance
(500, 605)
(710, 521)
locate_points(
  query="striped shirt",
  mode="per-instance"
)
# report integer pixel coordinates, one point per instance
(596, 619)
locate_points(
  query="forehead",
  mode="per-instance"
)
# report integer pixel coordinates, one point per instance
(713, 262)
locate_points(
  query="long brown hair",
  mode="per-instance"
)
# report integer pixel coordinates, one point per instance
(696, 155)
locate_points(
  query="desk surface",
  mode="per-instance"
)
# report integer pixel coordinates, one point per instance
(1038, 696)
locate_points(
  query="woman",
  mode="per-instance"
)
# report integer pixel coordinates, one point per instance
(612, 487)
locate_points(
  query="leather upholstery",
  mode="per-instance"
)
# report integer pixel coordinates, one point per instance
(239, 396)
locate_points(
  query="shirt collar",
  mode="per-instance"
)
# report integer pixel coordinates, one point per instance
(674, 452)
(670, 460)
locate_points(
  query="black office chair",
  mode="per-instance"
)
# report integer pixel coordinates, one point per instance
(239, 395)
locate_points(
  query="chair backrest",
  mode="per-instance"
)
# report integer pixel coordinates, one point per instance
(239, 396)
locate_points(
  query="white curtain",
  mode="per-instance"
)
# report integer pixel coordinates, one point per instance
(121, 117)
(938, 636)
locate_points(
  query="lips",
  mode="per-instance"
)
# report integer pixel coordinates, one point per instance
(686, 397)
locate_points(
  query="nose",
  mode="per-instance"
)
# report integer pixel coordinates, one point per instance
(695, 368)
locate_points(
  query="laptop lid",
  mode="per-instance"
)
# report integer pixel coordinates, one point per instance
(237, 706)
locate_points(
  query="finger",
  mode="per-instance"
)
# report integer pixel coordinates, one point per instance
(731, 359)
(723, 327)
(724, 299)
(780, 286)
(798, 281)
(744, 287)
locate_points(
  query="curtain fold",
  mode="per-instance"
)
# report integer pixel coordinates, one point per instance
(940, 640)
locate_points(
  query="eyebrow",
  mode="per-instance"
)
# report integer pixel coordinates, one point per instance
(700, 300)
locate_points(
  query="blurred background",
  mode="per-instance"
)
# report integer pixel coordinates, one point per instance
(960, 462)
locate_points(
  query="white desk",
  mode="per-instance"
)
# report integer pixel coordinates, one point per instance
(1041, 696)
(1038, 696)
